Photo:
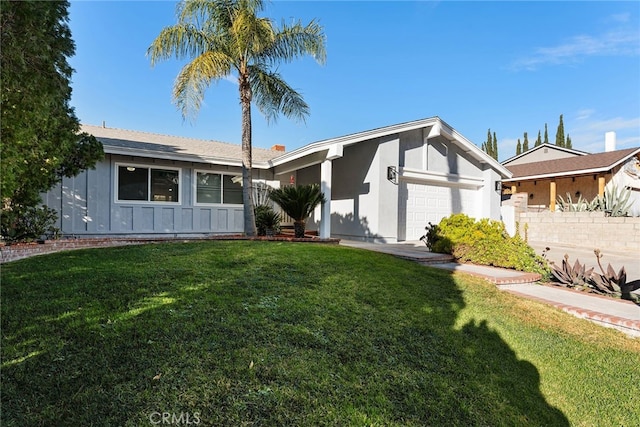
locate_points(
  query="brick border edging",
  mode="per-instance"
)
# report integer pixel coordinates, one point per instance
(614, 321)
(15, 252)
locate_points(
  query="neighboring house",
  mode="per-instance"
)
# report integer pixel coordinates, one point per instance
(383, 185)
(585, 175)
(541, 153)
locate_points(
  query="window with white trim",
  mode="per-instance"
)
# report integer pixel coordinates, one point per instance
(146, 184)
(217, 188)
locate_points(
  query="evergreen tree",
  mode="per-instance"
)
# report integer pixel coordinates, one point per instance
(518, 148)
(490, 146)
(494, 150)
(546, 134)
(525, 144)
(538, 141)
(40, 140)
(568, 142)
(560, 142)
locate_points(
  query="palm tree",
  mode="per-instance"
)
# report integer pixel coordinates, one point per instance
(298, 202)
(226, 38)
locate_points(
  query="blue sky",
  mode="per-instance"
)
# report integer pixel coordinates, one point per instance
(507, 66)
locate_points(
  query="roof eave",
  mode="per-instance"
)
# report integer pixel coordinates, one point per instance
(125, 151)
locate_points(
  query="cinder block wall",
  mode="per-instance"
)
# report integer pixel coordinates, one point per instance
(586, 229)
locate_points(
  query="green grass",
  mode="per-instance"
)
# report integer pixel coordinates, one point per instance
(270, 334)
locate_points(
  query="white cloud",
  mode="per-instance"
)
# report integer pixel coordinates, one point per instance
(613, 43)
(620, 17)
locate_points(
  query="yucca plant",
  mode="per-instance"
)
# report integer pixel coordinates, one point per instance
(576, 276)
(298, 202)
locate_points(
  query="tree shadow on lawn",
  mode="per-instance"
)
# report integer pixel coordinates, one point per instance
(250, 333)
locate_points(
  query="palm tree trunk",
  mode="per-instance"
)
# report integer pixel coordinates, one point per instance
(298, 228)
(247, 179)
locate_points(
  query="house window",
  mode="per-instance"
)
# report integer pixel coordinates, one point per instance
(145, 184)
(216, 188)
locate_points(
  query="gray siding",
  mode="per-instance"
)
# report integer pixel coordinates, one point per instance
(87, 204)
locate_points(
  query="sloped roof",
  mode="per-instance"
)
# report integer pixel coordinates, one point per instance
(144, 144)
(590, 163)
(436, 125)
(542, 146)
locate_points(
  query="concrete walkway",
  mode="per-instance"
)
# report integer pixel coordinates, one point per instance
(606, 311)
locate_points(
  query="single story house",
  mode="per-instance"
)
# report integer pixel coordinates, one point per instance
(381, 185)
(578, 175)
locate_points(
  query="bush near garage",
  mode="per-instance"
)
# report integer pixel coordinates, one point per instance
(484, 242)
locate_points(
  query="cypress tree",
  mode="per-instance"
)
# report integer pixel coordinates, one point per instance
(494, 150)
(538, 141)
(518, 148)
(560, 142)
(546, 134)
(568, 143)
(525, 144)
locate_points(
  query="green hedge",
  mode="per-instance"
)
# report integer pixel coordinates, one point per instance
(484, 242)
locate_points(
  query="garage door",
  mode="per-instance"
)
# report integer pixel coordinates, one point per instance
(431, 203)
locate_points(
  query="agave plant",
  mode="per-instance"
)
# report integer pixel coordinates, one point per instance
(581, 205)
(616, 202)
(610, 283)
(298, 202)
(576, 276)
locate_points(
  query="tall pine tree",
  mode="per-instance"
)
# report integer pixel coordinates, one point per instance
(546, 134)
(525, 144)
(568, 142)
(560, 142)
(518, 148)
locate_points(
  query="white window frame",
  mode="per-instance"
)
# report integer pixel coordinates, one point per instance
(149, 167)
(195, 188)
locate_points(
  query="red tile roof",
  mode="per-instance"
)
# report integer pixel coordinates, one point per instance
(572, 165)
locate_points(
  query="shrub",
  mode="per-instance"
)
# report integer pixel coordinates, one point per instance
(484, 242)
(28, 223)
(267, 220)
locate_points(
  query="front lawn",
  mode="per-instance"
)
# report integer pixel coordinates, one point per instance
(273, 333)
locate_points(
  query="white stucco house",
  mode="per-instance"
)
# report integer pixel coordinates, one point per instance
(382, 185)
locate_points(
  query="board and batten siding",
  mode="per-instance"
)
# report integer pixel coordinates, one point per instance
(87, 205)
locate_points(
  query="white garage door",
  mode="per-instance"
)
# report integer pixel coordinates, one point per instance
(431, 203)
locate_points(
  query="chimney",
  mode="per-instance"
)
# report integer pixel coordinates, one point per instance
(278, 147)
(609, 142)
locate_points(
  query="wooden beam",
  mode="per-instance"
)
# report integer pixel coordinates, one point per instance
(601, 185)
(552, 196)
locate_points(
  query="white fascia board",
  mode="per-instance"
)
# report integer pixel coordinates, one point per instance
(471, 148)
(123, 151)
(439, 178)
(561, 174)
(343, 141)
